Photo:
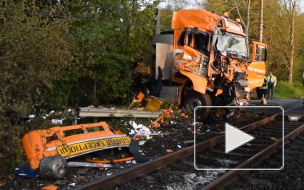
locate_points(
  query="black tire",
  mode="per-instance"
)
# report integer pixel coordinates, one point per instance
(194, 99)
(53, 167)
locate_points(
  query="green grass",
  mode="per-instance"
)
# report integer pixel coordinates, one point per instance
(285, 90)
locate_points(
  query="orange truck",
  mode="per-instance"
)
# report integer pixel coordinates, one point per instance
(206, 60)
(42, 147)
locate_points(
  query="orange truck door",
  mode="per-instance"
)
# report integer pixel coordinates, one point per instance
(257, 67)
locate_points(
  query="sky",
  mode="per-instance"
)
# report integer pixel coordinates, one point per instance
(302, 5)
(189, 2)
(192, 1)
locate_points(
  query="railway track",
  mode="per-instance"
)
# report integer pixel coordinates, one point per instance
(275, 149)
(250, 156)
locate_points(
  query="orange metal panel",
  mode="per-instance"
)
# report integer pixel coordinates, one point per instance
(194, 18)
(82, 139)
(199, 83)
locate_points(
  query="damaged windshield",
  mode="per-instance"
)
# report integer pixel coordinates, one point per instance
(232, 43)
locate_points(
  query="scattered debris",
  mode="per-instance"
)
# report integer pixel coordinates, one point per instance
(274, 139)
(169, 113)
(88, 164)
(158, 133)
(136, 100)
(57, 121)
(142, 135)
(188, 142)
(154, 103)
(294, 118)
(134, 147)
(139, 131)
(263, 101)
(60, 182)
(79, 178)
(196, 132)
(25, 172)
(47, 150)
(82, 171)
(49, 187)
(109, 161)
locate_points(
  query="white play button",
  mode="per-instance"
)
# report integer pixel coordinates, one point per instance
(235, 138)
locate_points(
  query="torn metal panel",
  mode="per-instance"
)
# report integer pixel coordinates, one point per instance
(88, 164)
(71, 141)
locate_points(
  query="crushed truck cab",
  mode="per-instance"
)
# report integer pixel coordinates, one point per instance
(71, 141)
(206, 60)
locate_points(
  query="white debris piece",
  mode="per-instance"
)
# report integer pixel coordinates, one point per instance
(88, 164)
(72, 184)
(173, 122)
(57, 121)
(140, 130)
(31, 116)
(141, 134)
(156, 133)
(230, 115)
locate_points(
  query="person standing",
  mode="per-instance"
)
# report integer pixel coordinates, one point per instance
(271, 83)
(263, 88)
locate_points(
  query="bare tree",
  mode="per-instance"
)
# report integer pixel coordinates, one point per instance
(246, 25)
(261, 20)
(290, 7)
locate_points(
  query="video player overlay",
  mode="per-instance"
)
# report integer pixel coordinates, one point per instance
(241, 134)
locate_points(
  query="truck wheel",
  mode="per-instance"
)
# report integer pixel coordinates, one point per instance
(194, 99)
(53, 167)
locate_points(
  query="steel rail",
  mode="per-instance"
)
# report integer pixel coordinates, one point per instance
(227, 177)
(145, 168)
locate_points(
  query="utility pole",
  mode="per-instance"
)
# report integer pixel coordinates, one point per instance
(261, 20)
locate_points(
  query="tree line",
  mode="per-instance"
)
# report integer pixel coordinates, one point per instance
(58, 53)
